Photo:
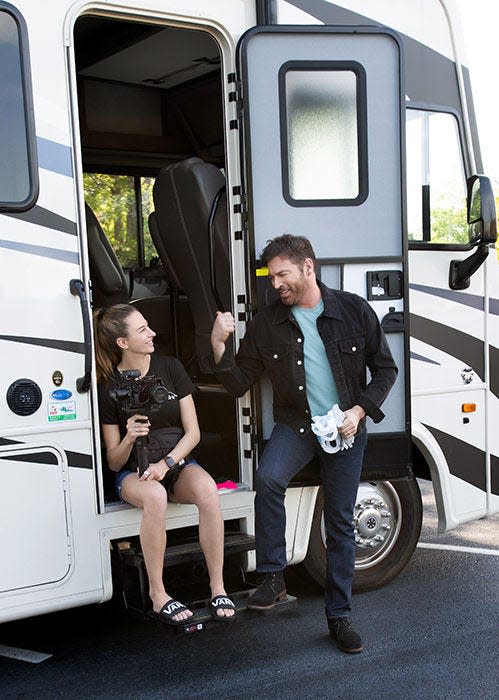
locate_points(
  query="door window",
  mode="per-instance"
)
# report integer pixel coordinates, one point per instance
(323, 132)
(436, 187)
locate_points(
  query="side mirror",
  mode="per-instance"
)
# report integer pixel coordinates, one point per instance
(481, 208)
(482, 229)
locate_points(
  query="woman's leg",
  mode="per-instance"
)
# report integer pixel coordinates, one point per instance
(150, 497)
(195, 485)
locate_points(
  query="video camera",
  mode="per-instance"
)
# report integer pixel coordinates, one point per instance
(136, 395)
(144, 396)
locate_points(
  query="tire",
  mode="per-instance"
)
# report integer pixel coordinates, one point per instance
(387, 520)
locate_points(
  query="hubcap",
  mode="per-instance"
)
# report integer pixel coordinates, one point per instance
(376, 520)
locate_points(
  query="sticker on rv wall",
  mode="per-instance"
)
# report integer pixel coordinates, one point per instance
(61, 394)
(65, 410)
(57, 377)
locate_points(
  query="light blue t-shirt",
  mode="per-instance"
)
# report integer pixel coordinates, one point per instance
(321, 386)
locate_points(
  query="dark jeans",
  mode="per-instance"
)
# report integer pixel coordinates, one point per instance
(284, 455)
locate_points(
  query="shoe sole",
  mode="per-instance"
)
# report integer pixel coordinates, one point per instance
(278, 599)
(358, 650)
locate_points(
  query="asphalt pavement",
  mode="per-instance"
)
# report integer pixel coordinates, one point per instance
(432, 633)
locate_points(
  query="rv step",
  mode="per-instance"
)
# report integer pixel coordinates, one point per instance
(202, 617)
(189, 552)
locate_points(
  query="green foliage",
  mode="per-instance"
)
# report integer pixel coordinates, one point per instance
(112, 199)
(449, 225)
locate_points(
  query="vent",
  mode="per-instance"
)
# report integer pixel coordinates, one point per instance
(24, 397)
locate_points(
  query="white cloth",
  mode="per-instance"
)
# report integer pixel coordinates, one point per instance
(326, 429)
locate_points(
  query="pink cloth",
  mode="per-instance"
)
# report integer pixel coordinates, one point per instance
(227, 485)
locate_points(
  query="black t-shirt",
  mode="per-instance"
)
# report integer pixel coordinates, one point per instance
(173, 376)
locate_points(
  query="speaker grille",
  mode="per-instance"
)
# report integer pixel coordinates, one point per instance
(24, 397)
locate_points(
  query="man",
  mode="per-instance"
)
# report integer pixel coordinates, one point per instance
(315, 343)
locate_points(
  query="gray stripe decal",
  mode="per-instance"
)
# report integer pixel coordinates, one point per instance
(464, 460)
(473, 300)
(494, 306)
(66, 345)
(46, 218)
(42, 251)
(449, 340)
(54, 156)
(421, 358)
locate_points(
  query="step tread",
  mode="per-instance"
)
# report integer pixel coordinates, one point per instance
(191, 551)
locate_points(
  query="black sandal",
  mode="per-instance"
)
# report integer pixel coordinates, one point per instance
(222, 602)
(169, 610)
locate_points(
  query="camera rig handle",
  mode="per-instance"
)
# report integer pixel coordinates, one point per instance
(142, 454)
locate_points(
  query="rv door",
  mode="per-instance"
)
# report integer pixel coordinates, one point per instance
(322, 128)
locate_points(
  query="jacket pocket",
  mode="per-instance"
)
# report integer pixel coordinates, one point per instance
(353, 359)
(276, 359)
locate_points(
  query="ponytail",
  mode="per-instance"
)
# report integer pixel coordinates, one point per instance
(109, 325)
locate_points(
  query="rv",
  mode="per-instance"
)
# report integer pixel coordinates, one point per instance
(150, 148)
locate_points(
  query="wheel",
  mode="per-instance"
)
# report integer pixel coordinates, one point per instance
(387, 520)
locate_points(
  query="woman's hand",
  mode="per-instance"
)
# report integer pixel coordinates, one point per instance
(155, 472)
(137, 426)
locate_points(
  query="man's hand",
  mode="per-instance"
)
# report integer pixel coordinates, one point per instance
(223, 327)
(352, 418)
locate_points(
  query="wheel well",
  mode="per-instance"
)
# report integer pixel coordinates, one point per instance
(419, 464)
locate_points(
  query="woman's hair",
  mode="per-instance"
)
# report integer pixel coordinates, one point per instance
(294, 248)
(109, 325)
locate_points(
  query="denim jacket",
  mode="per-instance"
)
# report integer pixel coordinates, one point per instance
(273, 343)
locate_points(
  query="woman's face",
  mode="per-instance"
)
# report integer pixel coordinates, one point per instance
(139, 337)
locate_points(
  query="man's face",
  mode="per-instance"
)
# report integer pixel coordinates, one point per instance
(292, 281)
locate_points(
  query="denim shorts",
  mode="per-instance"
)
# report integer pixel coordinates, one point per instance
(121, 476)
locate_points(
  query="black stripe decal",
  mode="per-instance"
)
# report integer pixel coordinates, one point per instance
(494, 475)
(494, 370)
(430, 76)
(464, 461)
(42, 251)
(473, 300)
(46, 218)
(449, 340)
(66, 345)
(79, 460)
(35, 458)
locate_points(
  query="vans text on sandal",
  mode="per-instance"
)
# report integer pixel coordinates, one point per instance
(222, 602)
(169, 610)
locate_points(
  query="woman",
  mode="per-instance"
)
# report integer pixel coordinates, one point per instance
(123, 342)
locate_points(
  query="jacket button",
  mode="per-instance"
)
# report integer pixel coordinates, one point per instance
(298, 340)
(276, 356)
(354, 348)
(299, 362)
(302, 430)
(300, 388)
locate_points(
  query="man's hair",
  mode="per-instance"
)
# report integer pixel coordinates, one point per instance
(294, 248)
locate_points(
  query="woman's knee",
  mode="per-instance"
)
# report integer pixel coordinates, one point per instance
(154, 499)
(204, 492)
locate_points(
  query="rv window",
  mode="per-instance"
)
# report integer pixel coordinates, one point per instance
(436, 186)
(18, 181)
(323, 133)
(122, 204)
